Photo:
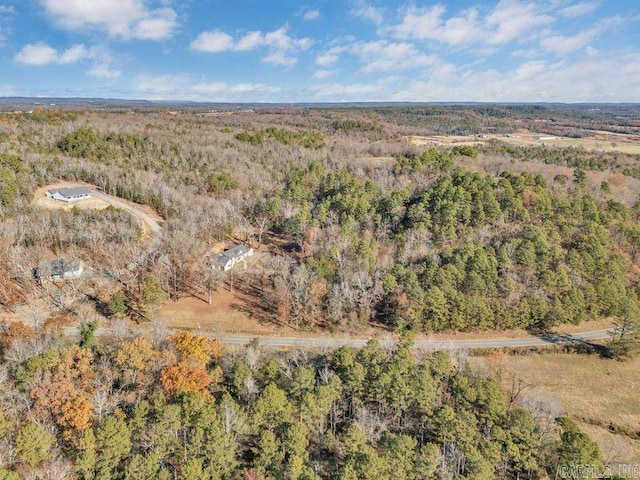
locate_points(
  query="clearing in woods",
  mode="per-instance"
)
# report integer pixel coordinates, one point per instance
(146, 216)
(600, 394)
(601, 141)
(228, 313)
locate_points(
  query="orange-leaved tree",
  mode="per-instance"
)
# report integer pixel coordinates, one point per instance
(185, 377)
(13, 331)
(64, 392)
(135, 359)
(196, 347)
(190, 374)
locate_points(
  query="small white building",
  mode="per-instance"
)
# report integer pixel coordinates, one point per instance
(59, 270)
(228, 259)
(69, 194)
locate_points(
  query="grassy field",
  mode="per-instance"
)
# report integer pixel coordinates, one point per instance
(601, 395)
(601, 141)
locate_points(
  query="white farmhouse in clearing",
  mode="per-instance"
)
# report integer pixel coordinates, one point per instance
(69, 194)
(59, 270)
(227, 259)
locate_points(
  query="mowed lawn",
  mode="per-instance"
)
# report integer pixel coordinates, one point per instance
(601, 395)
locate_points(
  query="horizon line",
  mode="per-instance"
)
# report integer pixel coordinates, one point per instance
(125, 101)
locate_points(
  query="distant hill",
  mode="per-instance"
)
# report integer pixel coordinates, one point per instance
(28, 103)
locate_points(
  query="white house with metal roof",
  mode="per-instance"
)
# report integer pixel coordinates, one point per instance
(69, 194)
(228, 259)
(59, 270)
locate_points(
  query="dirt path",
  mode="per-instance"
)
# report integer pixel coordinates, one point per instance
(99, 200)
(135, 211)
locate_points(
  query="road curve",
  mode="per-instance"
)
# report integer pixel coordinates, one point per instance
(136, 212)
(387, 342)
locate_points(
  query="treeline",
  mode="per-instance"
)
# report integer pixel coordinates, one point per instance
(308, 139)
(15, 180)
(566, 120)
(627, 164)
(465, 251)
(180, 408)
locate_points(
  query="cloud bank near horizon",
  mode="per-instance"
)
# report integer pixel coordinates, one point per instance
(469, 50)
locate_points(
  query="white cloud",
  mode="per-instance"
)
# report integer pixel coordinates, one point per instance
(525, 53)
(227, 91)
(509, 20)
(37, 54)
(331, 56)
(160, 86)
(513, 19)
(180, 87)
(379, 56)
(367, 12)
(461, 30)
(5, 11)
(562, 45)
(419, 23)
(383, 56)
(119, 18)
(311, 15)
(213, 42)
(74, 54)
(40, 54)
(592, 52)
(248, 42)
(586, 80)
(157, 26)
(102, 70)
(281, 47)
(338, 92)
(579, 9)
(322, 74)
(559, 44)
(428, 24)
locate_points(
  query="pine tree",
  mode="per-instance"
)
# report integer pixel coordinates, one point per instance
(34, 444)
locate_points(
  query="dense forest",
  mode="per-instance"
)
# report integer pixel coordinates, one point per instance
(148, 408)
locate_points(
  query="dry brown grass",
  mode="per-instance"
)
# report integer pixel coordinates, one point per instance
(601, 141)
(616, 449)
(600, 394)
(520, 333)
(227, 313)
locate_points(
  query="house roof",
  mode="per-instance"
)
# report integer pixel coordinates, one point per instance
(230, 254)
(237, 251)
(71, 192)
(60, 266)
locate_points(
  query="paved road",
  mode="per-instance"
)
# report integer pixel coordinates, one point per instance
(335, 342)
(136, 212)
(388, 341)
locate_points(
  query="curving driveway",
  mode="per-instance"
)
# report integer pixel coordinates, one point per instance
(136, 212)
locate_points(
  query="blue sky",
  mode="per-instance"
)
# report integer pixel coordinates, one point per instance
(325, 50)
